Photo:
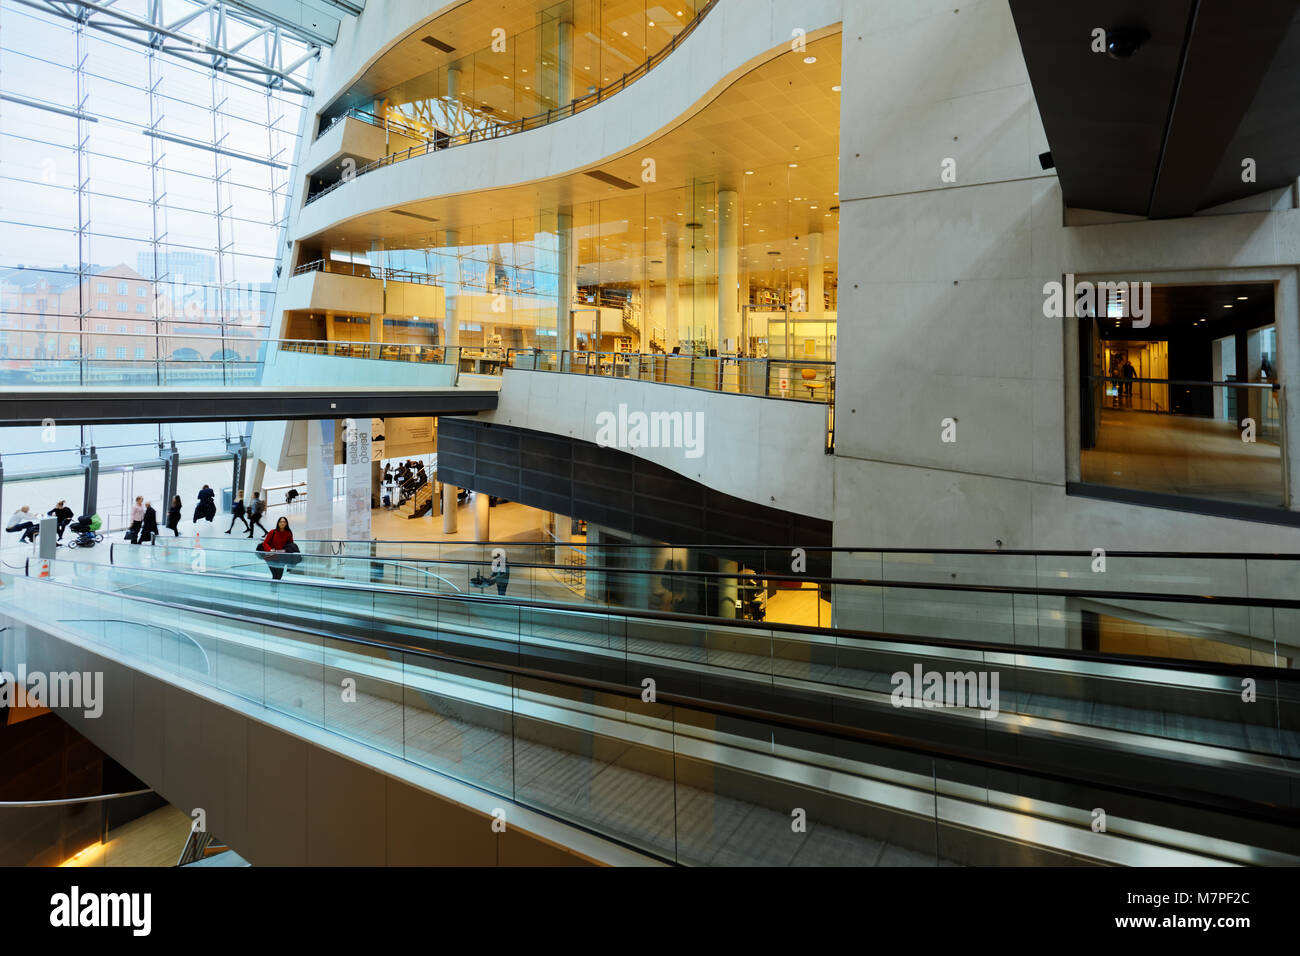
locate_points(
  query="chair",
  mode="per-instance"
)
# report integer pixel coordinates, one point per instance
(809, 376)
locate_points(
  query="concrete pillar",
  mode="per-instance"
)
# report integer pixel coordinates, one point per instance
(727, 590)
(728, 271)
(567, 289)
(816, 275)
(255, 483)
(376, 333)
(564, 63)
(482, 517)
(672, 291)
(453, 82)
(449, 492)
(319, 522)
(452, 288)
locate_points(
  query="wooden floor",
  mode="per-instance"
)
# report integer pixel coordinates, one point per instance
(1172, 454)
(155, 839)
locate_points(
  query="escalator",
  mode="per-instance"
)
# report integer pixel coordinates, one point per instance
(681, 779)
(1163, 725)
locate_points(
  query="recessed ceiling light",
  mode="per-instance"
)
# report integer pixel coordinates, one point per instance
(652, 23)
(749, 172)
(624, 33)
(1228, 306)
(794, 165)
(810, 59)
(1241, 298)
(835, 89)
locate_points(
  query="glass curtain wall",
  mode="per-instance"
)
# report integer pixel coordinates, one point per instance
(142, 204)
(646, 270)
(573, 48)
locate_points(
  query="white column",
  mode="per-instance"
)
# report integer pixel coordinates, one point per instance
(728, 270)
(453, 288)
(672, 336)
(564, 63)
(320, 480)
(482, 517)
(567, 288)
(449, 507)
(816, 276)
(356, 481)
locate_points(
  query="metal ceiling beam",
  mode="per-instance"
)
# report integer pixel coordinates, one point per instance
(208, 47)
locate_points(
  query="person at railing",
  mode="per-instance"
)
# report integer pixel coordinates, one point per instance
(256, 508)
(174, 516)
(21, 520)
(61, 513)
(277, 547)
(237, 514)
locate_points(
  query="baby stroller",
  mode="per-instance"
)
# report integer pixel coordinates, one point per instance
(86, 532)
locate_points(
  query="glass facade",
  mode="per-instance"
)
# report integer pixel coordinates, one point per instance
(143, 200)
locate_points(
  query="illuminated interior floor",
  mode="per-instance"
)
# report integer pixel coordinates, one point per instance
(155, 839)
(1196, 457)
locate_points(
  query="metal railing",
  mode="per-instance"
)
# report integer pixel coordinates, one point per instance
(365, 116)
(537, 120)
(225, 366)
(366, 271)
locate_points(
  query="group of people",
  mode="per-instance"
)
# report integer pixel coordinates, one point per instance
(399, 486)
(276, 545)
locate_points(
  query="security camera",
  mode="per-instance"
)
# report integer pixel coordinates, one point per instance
(1123, 42)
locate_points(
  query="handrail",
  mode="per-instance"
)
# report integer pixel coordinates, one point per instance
(69, 801)
(890, 741)
(366, 116)
(536, 120)
(367, 271)
(1272, 386)
(1167, 597)
(1214, 667)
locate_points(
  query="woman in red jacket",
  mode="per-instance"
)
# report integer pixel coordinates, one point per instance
(276, 540)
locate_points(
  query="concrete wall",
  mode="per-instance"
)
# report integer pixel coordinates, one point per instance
(767, 451)
(941, 298)
(335, 292)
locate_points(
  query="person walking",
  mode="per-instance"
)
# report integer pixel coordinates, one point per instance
(21, 520)
(207, 506)
(148, 524)
(63, 514)
(137, 518)
(257, 508)
(1129, 374)
(277, 540)
(237, 514)
(174, 515)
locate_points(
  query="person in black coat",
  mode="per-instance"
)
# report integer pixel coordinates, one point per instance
(207, 506)
(63, 514)
(174, 515)
(237, 514)
(149, 524)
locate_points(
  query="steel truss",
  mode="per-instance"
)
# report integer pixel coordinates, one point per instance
(210, 48)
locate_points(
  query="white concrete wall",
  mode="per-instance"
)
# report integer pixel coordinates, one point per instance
(764, 450)
(333, 292)
(941, 298)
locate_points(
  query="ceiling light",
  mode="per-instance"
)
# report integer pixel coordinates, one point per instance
(794, 165)
(835, 89)
(1228, 306)
(624, 33)
(810, 59)
(652, 23)
(1241, 298)
(749, 172)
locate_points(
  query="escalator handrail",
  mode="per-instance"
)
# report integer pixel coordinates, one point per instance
(1214, 668)
(1165, 597)
(1218, 803)
(723, 549)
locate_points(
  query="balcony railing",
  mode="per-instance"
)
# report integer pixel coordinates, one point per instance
(365, 116)
(537, 120)
(366, 271)
(179, 360)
